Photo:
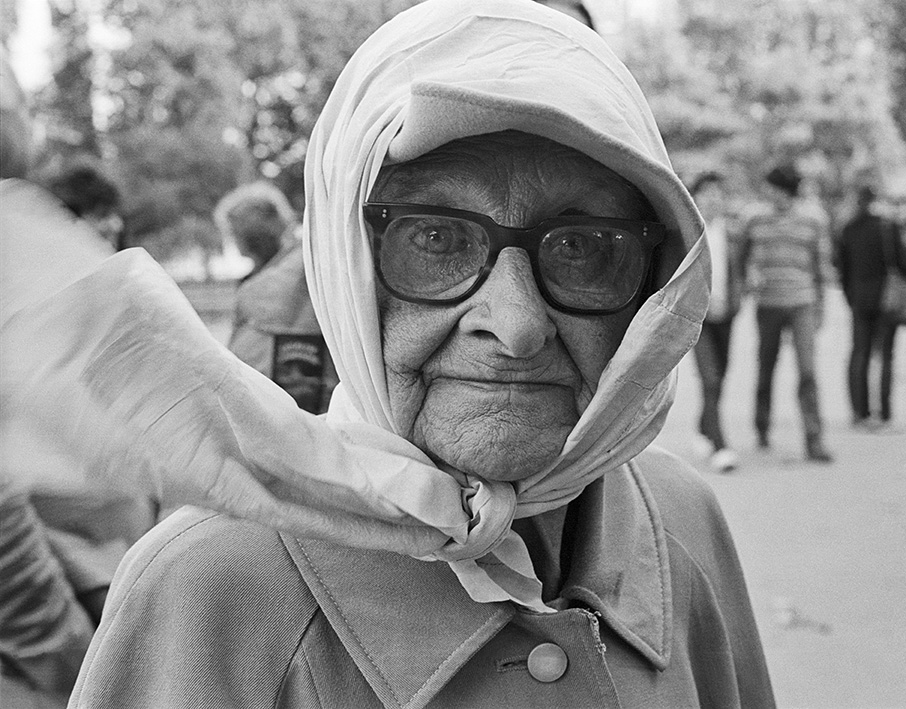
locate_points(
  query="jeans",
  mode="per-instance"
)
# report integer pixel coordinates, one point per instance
(870, 330)
(802, 324)
(712, 355)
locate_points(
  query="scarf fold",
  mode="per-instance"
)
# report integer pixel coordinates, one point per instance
(117, 372)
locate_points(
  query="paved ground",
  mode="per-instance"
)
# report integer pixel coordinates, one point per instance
(823, 546)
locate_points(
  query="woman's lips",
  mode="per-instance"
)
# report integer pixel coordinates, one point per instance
(522, 384)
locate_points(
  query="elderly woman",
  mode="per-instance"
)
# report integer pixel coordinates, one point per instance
(507, 272)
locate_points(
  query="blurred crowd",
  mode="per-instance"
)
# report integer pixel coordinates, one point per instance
(783, 254)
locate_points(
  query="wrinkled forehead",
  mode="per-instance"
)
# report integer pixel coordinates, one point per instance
(510, 166)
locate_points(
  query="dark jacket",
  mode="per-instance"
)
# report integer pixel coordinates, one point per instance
(209, 611)
(863, 253)
(276, 332)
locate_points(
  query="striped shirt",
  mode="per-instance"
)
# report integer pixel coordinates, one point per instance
(787, 258)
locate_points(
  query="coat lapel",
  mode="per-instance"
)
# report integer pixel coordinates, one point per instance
(620, 565)
(383, 606)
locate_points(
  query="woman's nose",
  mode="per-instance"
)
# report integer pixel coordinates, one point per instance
(510, 307)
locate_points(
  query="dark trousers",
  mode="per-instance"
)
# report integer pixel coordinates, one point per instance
(802, 324)
(712, 355)
(870, 330)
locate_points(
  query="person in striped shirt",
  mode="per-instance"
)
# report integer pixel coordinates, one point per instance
(786, 253)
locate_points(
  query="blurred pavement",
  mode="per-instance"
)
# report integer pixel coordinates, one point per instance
(823, 546)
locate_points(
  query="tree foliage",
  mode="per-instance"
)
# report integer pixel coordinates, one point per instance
(893, 22)
(212, 93)
(253, 74)
(66, 102)
(741, 85)
(8, 20)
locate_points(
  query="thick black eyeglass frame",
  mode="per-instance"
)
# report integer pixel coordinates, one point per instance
(649, 234)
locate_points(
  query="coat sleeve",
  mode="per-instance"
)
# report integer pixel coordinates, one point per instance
(205, 611)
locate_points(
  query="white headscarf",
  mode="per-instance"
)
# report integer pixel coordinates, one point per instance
(448, 69)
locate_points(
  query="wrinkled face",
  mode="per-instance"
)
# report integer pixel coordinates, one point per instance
(493, 385)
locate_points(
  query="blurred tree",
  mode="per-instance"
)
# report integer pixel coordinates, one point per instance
(743, 85)
(66, 103)
(8, 20)
(211, 93)
(694, 105)
(286, 91)
(173, 173)
(893, 21)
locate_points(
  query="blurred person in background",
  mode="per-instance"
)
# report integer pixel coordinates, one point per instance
(712, 351)
(93, 197)
(274, 325)
(786, 258)
(258, 220)
(276, 332)
(869, 245)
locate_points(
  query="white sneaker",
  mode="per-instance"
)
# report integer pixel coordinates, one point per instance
(702, 446)
(724, 460)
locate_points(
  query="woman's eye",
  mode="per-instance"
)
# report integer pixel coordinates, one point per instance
(576, 246)
(439, 240)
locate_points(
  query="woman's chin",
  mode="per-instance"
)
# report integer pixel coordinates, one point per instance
(501, 463)
(496, 435)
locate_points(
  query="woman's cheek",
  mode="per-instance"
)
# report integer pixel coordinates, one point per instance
(410, 335)
(591, 342)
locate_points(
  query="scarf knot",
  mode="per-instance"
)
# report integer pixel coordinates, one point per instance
(491, 507)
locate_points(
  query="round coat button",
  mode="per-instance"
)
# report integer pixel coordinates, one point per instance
(547, 662)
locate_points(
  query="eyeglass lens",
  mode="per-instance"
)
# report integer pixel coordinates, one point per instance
(440, 258)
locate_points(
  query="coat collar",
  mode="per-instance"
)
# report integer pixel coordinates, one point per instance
(620, 569)
(620, 565)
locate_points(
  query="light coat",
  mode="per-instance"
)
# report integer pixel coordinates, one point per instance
(210, 611)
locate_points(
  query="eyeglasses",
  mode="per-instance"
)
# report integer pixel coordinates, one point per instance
(581, 264)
